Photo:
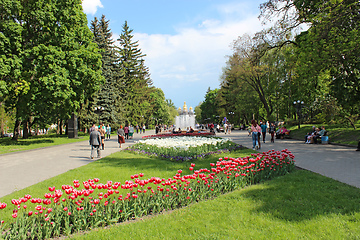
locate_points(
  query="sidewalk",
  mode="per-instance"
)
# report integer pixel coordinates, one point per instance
(338, 162)
(22, 169)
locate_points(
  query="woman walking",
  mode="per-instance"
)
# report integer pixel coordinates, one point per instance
(121, 134)
(108, 132)
(255, 129)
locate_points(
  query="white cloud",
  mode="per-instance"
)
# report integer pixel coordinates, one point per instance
(193, 50)
(91, 6)
(185, 64)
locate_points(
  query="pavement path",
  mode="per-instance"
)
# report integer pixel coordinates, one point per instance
(338, 162)
(22, 169)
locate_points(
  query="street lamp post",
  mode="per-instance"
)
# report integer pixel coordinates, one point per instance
(231, 115)
(98, 111)
(299, 105)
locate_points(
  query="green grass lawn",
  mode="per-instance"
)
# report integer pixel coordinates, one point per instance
(300, 205)
(337, 133)
(7, 145)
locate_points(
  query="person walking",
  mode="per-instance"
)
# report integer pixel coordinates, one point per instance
(95, 141)
(255, 129)
(143, 128)
(92, 128)
(263, 130)
(272, 130)
(108, 132)
(121, 135)
(102, 134)
(126, 130)
(131, 131)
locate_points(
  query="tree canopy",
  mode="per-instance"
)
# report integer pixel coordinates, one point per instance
(49, 62)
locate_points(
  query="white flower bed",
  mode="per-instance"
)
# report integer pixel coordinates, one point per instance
(183, 142)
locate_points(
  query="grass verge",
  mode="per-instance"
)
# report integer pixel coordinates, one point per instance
(300, 205)
(339, 134)
(7, 145)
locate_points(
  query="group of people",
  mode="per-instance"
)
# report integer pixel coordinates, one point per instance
(257, 130)
(315, 135)
(226, 127)
(98, 135)
(97, 138)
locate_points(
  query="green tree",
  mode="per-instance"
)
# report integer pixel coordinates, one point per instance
(247, 66)
(109, 95)
(49, 61)
(161, 109)
(172, 111)
(210, 107)
(327, 52)
(136, 77)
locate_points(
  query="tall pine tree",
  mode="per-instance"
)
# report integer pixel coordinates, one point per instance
(110, 95)
(137, 82)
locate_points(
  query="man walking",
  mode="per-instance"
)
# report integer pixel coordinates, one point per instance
(95, 142)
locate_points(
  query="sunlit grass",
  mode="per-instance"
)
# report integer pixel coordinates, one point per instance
(300, 205)
(337, 133)
(117, 167)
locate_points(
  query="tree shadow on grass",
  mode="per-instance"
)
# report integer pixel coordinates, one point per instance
(303, 195)
(9, 142)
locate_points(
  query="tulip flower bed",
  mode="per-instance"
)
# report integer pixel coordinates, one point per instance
(184, 148)
(196, 134)
(83, 206)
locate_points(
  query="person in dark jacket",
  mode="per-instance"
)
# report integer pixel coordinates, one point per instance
(95, 142)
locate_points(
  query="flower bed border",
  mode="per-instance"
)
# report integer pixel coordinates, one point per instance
(68, 210)
(183, 159)
(179, 135)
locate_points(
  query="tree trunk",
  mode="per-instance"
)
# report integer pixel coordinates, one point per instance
(351, 122)
(16, 130)
(61, 126)
(58, 127)
(26, 129)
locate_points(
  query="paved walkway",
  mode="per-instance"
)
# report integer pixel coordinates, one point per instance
(338, 162)
(22, 169)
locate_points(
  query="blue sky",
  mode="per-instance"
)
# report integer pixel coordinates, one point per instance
(185, 41)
